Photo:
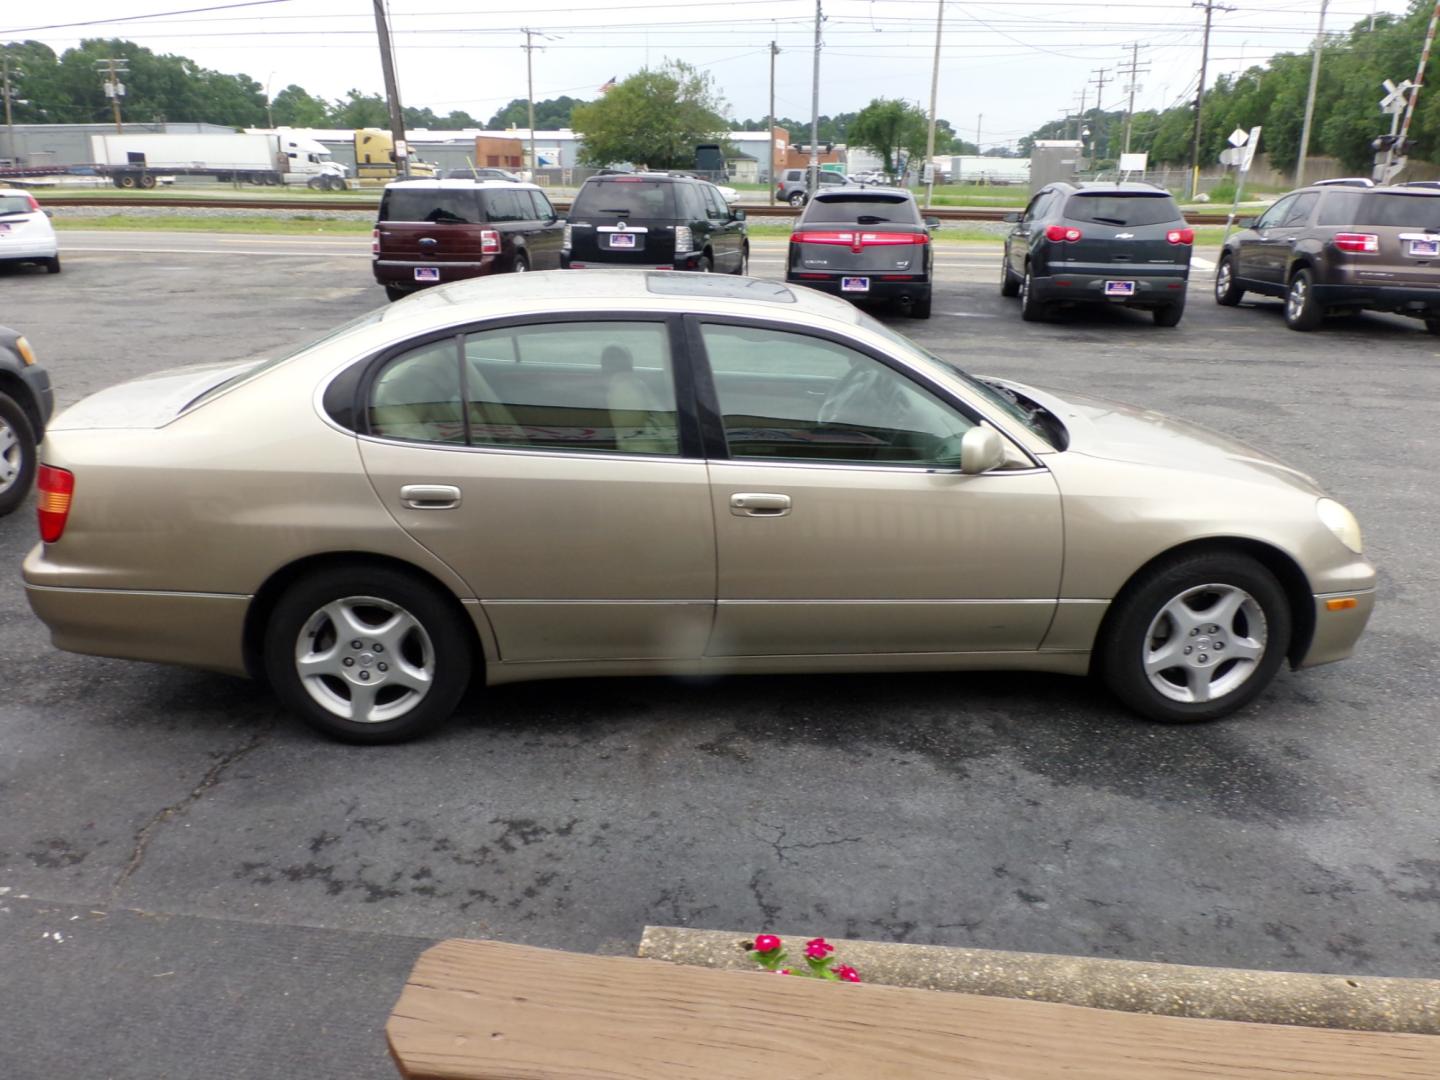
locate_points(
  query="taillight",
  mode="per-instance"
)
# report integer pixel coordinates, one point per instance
(55, 487)
(489, 242)
(566, 237)
(1181, 236)
(856, 239)
(1067, 233)
(684, 240)
(374, 241)
(33, 204)
(1360, 243)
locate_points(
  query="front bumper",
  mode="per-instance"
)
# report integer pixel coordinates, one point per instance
(1151, 290)
(1338, 625)
(400, 273)
(916, 287)
(37, 381)
(1404, 299)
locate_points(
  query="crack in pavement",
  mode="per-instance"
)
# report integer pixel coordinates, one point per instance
(209, 780)
(781, 847)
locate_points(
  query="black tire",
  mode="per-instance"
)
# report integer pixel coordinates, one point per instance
(797, 198)
(126, 181)
(1227, 290)
(706, 266)
(317, 183)
(432, 635)
(335, 183)
(920, 307)
(1433, 325)
(1302, 309)
(52, 266)
(147, 181)
(744, 267)
(521, 264)
(392, 293)
(1170, 314)
(1139, 625)
(1031, 309)
(1009, 283)
(17, 454)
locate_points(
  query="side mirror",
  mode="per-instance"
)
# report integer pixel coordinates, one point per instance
(739, 214)
(932, 223)
(981, 449)
(1012, 218)
(49, 213)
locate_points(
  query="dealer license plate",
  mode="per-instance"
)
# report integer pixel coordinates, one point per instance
(622, 239)
(1425, 247)
(854, 284)
(1119, 288)
(427, 273)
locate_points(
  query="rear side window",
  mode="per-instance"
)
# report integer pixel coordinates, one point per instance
(1339, 208)
(434, 205)
(1401, 211)
(624, 199)
(862, 209)
(1122, 208)
(508, 205)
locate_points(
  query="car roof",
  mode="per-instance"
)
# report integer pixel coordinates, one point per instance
(1119, 187)
(868, 189)
(15, 191)
(458, 184)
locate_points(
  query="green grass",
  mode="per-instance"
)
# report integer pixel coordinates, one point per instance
(297, 226)
(219, 192)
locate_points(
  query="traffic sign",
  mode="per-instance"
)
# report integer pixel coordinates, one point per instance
(1238, 137)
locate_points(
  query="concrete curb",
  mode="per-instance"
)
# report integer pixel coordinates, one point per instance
(1357, 1003)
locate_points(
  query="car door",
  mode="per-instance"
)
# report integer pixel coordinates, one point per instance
(843, 524)
(544, 462)
(724, 230)
(1285, 235)
(1017, 244)
(546, 233)
(1257, 251)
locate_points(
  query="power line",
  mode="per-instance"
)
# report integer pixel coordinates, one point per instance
(136, 18)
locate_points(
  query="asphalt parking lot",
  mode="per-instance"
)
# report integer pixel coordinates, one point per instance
(192, 885)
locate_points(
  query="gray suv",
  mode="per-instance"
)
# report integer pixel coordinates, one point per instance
(1340, 247)
(791, 186)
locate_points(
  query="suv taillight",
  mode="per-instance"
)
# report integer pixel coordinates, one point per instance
(684, 240)
(489, 242)
(1358, 242)
(55, 487)
(1181, 236)
(566, 237)
(1067, 233)
(374, 241)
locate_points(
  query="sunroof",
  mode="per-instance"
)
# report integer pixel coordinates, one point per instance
(725, 287)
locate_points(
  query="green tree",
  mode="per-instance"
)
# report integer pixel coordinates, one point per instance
(357, 110)
(890, 127)
(550, 114)
(655, 117)
(295, 107)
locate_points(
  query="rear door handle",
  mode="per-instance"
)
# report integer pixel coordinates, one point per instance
(430, 496)
(759, 504)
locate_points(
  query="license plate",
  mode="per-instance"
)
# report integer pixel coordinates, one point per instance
(622, 239)
(427, 273)
(1425, 247)
(1119, 288)
(854, 284)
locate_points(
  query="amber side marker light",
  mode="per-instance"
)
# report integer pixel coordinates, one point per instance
(1343, 603)
(55, 488)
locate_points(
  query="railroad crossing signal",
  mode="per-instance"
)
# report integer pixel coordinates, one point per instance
(1395, 95)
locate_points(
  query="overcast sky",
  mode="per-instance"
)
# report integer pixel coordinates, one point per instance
(1017, 62)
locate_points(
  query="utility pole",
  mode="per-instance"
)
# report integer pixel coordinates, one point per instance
(1209, 6)
(928, 168)
(530, 101)
(1415, 90)
(114, 67)
(978, 121)
(1310, 98)
(9, 120)
(770, 121)
(392, 93)
(812, 174)
(1102, 76)
(1133, 70)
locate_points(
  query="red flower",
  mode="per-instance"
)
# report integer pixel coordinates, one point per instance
(766, 943)
(783, 971)
(847, 974)
(817, 948)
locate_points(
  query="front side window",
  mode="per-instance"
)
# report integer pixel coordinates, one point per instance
(1276, 213)
(506, 205)
(543, 210)
(792, 397)
(1299, 213)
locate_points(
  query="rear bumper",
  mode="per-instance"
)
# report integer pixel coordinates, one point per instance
(1405, 299)
(400, 273)
(43, 247)
(680, 262)
(915, 288)
(1151, 289)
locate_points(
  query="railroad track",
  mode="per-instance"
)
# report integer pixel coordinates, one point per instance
(944, 213)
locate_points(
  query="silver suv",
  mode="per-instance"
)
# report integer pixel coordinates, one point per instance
(790, 187)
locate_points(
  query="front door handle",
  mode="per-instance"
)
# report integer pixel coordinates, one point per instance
(430, 496)
(759, 504)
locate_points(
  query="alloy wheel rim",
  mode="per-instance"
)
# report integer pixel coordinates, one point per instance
(1204, 643)
(1297, 297)
(10, 457)
(1222, 278)
(520, 266)
(365, 659)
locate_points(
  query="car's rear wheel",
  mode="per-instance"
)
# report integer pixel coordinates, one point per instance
(797, 198)
(1031, 309)
(17, 454)
(367, 654)
(392, 293)
(1227, 290)
(52, 265)
(1195, 638)
(1302, 308)
(1170, 314)
(706, 265)
(920, 307)
(522, 264)
(1433, 325)
(1009, 283)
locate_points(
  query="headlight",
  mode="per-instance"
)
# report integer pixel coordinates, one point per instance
(1341, 522)
(27, 354)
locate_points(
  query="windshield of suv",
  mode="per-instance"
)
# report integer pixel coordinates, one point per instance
(1402, 211)
(435, 205)
(624, 198)
(1122, 208)
(863, 209)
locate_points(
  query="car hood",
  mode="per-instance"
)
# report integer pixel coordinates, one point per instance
(1116, 431)
(150, 401)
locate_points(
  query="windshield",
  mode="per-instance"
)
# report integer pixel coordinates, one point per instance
(1403, 211)
(1123, 208)
(1039, 421)
(624, 198)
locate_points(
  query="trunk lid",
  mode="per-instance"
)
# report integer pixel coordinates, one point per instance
(151, 401)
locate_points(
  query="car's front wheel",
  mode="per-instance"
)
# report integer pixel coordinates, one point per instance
(797, 198)
(1195, 638)
(1302, 308)
(17, 454)
(744, 267)
(367, 654)
(1009, 283)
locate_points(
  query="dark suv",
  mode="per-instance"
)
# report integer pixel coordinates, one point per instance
(26, 402)
(431, 231)
(864, 244)
(1340, 246)
(1100, 243)
(654, 221)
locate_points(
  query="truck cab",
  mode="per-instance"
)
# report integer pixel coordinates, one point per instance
(375, 157)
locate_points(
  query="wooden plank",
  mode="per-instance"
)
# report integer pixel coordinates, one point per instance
(475, 1010)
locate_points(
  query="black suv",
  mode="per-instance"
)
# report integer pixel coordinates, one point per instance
(1340, 246)
(654, 221)
(864, 244)
(432, 231)
(26, 402)
(1099, 243)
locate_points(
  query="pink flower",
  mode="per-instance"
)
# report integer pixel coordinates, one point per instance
(847, 974)
(783, 971)
(817, 948)
(767, 943)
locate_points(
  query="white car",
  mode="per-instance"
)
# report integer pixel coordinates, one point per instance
(26, 234)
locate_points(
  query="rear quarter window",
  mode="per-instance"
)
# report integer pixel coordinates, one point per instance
(1400, 211)
(436, 206)
(1339, 208)
(875, 208)
(614, 200)
(1117, 208)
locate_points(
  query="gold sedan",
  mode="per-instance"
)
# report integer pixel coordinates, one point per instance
(643, 473)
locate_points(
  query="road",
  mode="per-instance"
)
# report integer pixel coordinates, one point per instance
(191, 885)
